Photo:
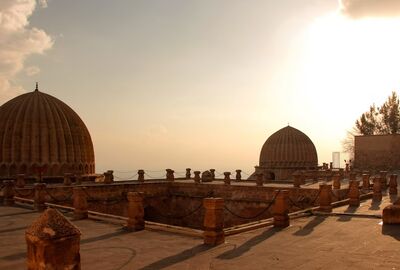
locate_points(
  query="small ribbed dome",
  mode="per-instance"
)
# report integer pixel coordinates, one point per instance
(37, 129)
(288, 148)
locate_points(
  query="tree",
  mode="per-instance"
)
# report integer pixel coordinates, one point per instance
(383, 120)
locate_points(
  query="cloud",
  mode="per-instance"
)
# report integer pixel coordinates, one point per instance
(17, 42)
(32, 71)
(370, 8)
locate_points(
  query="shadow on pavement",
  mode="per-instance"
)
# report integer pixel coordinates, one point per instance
(306, 230)
(391, 230)
(375, 205)
(182, 256)
(246, 246)
(349, 210)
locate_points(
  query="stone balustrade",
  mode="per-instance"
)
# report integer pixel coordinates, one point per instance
(213, 221)
(227, 178)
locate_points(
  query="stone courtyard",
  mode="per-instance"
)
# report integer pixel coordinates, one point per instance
(347, 238)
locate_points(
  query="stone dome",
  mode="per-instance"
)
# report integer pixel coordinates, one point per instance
(37, 129)
(288, 148)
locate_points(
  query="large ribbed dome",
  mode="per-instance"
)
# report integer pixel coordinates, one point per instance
(37, 129)
(288, 148)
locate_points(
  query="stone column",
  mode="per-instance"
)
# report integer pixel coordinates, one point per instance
(213, 221)
(365, 179)
(227, 178)
(260, 179)
(281, 208)
(354, 193)
(296, 180)
(8, 192)
(330, 165)
(377, 190)
(67, 179)
(238, 175)
(80, 203)
(197, 177)
(391, 214)
(325, 198)
(393, 184)
(135, 220)
(212, 171)
(383, 175)
(52, 243)
(188, 174)
(336, 181)
(20, 180)
(170, 175)
(140, 175)
(108, 177)
(39, 199)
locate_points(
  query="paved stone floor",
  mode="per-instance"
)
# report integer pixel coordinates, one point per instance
(314, 242)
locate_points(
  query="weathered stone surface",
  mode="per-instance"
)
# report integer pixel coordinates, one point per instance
(354, 193)
(377, 191)
(135, 211)
(52, 243)
(391, 214)
(325, 198)
(206, 176)
(213, 221)
(281, 208)
(80, 203)
(393, 184)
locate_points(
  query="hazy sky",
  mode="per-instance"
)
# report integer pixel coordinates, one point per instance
(202, 83)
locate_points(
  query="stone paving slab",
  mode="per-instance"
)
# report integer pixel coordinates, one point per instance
(315, 242)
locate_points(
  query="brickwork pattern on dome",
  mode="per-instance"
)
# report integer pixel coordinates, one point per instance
(37, 129)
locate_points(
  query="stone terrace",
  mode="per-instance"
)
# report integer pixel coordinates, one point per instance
(349, 238)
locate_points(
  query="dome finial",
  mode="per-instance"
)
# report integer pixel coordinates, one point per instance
(37, 86)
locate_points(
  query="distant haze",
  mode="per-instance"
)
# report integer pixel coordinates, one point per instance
(201, 83)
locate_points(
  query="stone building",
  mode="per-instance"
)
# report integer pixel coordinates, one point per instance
(379, 152)
(39, 130)
(285, 152)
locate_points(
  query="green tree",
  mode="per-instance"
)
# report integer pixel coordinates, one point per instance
(368, 124)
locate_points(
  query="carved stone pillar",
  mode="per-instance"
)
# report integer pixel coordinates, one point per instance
(20, 180)
(135, 212)
(281, 208)
(391, 214)
(213, 221)
(393, 184)
(170, 175)
(80, 203)
(336, 181)
(325, 198)
(197, 177)
(67, 179)
(238, 176)
(212, 171)
(377, 190)
(39, 199)
(227, 178)
(354, 193)
(188, 174)
(260, 179)
(8, 192)
(383, 175)
(140, 175)
(108, 177)
(365, 181)
(53, 243)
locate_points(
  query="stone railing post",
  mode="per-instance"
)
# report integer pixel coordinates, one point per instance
(365, 181)
(212, 171)
(213, 221)
(281, 208)
(354, 193)
(296, 179)
(325, 198)
(80, 203)
(78, 179)
(20, 180)
(108, 177)
(393, 184)
(170, 175)
(135, 220)
(8, 192)
(197, 177)
(260, 179)
(39, 199)
(336, 181)
(188, 174)
(383, 175)
(227, 178)
(67, 179)
(52, 243)
(238, 176)
(377, 189)
(140, 175)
